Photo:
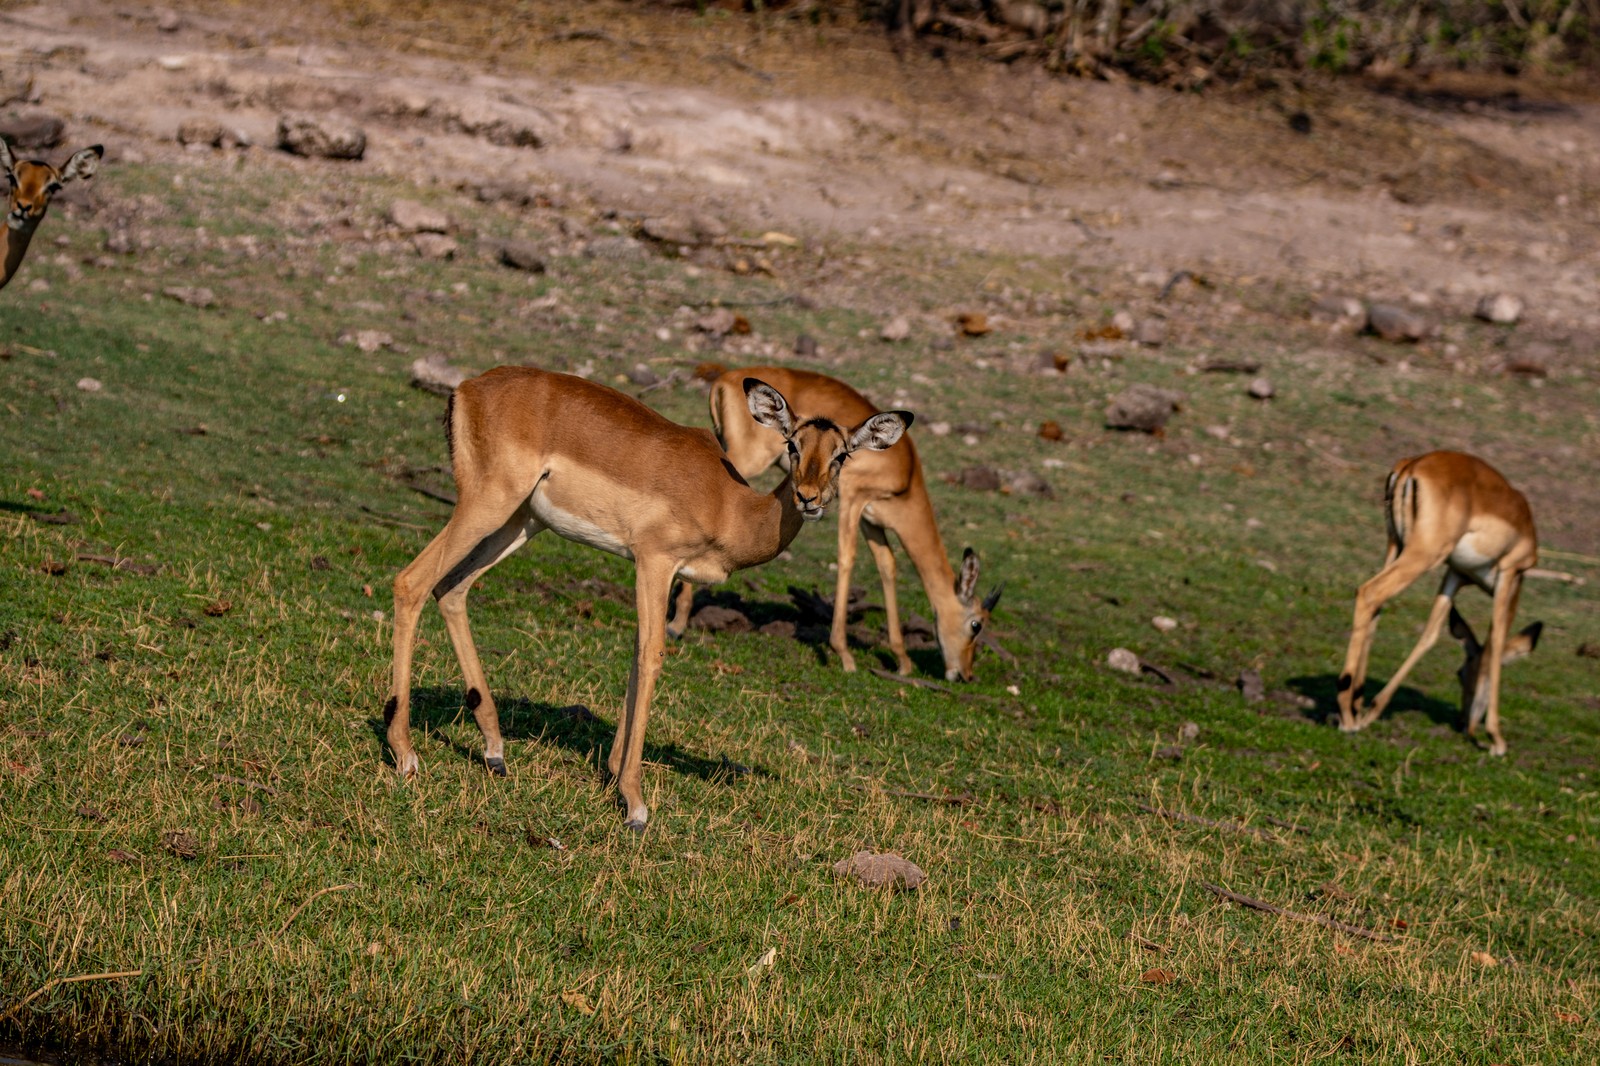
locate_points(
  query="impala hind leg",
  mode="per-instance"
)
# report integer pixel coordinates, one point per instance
(883, 558)
(479, 533)
(1486, 701)
(683, 607)
(1396, 576)
(1430, 636)
(653, 584)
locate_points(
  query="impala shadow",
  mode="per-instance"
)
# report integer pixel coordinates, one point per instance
(1324, 688)
(573, 727)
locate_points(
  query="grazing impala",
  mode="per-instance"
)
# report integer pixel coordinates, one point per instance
(1446, 507)
(33, 184)
(533, 450)
(878, 494)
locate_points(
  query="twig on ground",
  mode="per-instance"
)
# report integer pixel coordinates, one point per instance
(391, 520)
(1172, 283)
(1148, 945)
(432, 494)
(59, 981)
(231, 780)
(718, 302)
(592, 35)
(296, 912)
(1319, 919)
(889, 675)
(1281, 824)
(952, 799)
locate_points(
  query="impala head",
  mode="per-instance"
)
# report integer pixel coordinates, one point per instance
(818, 447)
(1473, 701)
(33, 183)
(959, 630)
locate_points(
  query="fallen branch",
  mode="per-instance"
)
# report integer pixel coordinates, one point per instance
(1319, 919)
(889, 675)
(119, 563)
(432, 494)
(1195, 819)
(59, 981)
(952, 799)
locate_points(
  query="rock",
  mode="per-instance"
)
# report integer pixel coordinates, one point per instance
(973, 323)
(881, 870)
(720, 620)
(683, 229)
(618, 248)
(1189, 732)
(1250, 686)
(980, 479)
(780, 628)
(413, 217)
(433, 373)
(89, 385)
(1151, 332)
(718, 322)
(368, 340)
(192, 295)
(1501, 308)
(201, 131)
(1261, 389)
(1124, 660)
(643, 376)
(805, 345)
(321, 138)
(1342, 312)
(1123, 323)
(1400, 324)
(1027, 483)
(1051, 430)
(167, 21)
(509, 125)
(32, 129)
(1142, 407)
(522, 255)
(897, 329)
(1163, 623)
(434, 245)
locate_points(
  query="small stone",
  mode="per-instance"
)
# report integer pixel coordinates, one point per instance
(720, 620)
(1261, 389)
(898, 329)
(1027, 483)
(939, 429)
(1151, 332)
(201, 131)
(368, 340)
(1163, 623)
(1399, 324)
(32, 129)
(1501, 308)
(522, 255)
(192, 295)
(1124, 660)
(433, 373)
(1123, 322)
(885, 870)
(1342, 312)
(167, 21)
(1051, 430)
(973, 323)
(617, 248)
(1188, 732)
(780, 628)
(980, 479)
(805, 345)
(1250, 686)
(321, 138)
(89, 385)
(1142, 407)
(414, 217)
(719, 322)
(434, 245)
(643, 376)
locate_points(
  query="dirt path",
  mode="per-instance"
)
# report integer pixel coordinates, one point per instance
(1439, 201)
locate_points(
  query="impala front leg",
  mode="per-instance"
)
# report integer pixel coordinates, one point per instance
(883, 556)
(653, 583)
(838, 638)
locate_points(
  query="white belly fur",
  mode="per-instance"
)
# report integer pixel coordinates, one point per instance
(573, 528)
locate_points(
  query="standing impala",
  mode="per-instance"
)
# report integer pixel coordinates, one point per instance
(877, 494)
(33, 184)
(1446, 507)
(533, 450)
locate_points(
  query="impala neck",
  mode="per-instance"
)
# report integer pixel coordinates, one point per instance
(13, 245)
(773, 522)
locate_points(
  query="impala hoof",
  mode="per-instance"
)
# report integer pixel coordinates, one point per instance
(497, 767)
(635, 824)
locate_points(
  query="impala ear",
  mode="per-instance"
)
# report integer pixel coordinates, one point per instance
(1463, 632)
(880, 431)
(967, 579)
(83, 164)
(768, 407)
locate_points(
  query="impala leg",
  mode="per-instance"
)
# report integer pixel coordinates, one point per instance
(682, 607)
(452, 596)
(1506, 594)
(652, 586)
(1430, 636)
(1366, 649)
(838, 640)
(471, 530)
(883, 557)
(1396, 576)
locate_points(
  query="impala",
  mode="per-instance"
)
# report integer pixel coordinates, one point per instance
(533, 450)
(34, 184)
(1446, 507)
(879, 493)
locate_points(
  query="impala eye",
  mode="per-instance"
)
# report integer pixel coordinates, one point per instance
(977, 626)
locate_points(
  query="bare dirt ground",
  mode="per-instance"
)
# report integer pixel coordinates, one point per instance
(1432, 190)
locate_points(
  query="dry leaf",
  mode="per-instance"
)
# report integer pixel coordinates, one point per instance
(1568, 1017)
(767, 958)
(181, 844)
(1483, 958)
(1344, 949)
(720, 667)
(218, 608)
(36, 494)
(1051, 430)
(774, 237)
(578, 1002)
(973, 323)
(1158, 976)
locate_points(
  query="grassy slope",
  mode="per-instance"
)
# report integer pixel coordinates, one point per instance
(254, 654)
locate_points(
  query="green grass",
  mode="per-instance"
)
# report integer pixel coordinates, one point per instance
(331, 913)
